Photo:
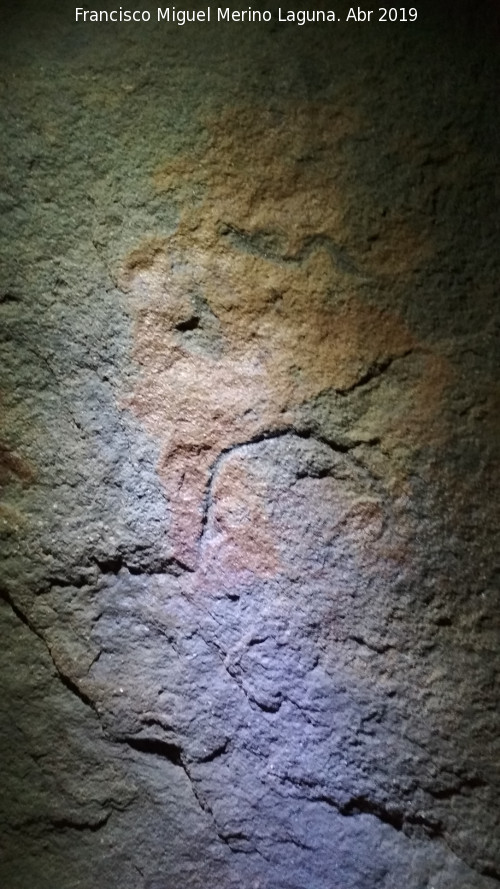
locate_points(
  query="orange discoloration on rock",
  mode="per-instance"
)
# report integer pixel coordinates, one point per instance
(242, 538)
(416, 418)
(423, 421)
(245, 312)
(267, 172)
(12, 465)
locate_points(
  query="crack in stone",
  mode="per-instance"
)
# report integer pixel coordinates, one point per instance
(89, 575)
(363, 805)
(174, 754)
(155, 747)
(207, 809)
(360, 805)
(63, 400)
(292, 841)
(110, 567)
(71, 824)
(395, 818)
(64, 678)
(264, 245)
(50, 823)
(219, 751)
(9, 296)
(114, 564)
(469, 784)
(269, 435)
(272, 708)
(376, 370)
(378, 649)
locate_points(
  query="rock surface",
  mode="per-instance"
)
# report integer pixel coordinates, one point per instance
(249, 454)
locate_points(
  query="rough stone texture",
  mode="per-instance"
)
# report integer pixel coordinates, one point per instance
(249, 454)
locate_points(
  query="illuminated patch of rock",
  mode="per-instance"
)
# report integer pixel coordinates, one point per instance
(252, 310)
